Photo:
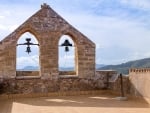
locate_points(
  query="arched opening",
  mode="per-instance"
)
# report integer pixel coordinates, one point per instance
(27, 57)
(67, 62)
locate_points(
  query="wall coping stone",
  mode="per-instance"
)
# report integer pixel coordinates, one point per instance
(68, 76)
(28, 77)
(106, 71)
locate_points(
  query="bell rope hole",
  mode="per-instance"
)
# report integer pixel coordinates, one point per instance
(66, 56)
(27, 64)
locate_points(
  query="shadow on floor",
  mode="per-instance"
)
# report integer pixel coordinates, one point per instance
(74, 101)
(84, 101)
(6, 106)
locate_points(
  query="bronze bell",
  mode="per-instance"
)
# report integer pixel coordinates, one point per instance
(66, 49)
(66, 43)
(28, 43)
(28, 50)
(28, 39)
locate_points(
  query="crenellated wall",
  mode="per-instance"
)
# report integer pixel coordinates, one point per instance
(140, 82)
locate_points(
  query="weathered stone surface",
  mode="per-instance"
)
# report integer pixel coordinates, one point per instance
(48, 27)
(140, 82)
(116, 86)
(61, 84)
(27, 73)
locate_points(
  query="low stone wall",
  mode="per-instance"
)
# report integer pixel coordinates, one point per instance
(27, 73)
(67, 73)
(116, 86)
(104, 76)
(44, 86)
(62, 83)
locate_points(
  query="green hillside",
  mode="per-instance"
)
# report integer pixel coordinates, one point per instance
(124, 67)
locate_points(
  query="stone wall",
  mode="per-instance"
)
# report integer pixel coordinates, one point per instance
(61, 84)
(116, 86)
(67, 73)
(27, 73)
(136, 84)
(140, 82)
(48, 27)
(104, 76)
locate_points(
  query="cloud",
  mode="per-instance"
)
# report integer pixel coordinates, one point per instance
(66, 61)
(2, 17)
(2, 27)
(120, 28)
(127, 34)
(140, 4)
(13, 15)
(27, 61)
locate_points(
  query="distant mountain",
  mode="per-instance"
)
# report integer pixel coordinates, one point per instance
(66, 68)
(35, 68)
(121, 68)
(124, 67)
(30, 68)
(100, 66)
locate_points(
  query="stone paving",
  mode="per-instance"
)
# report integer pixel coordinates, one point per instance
(74, 104)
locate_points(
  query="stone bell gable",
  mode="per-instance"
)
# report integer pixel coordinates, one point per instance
(48, 27)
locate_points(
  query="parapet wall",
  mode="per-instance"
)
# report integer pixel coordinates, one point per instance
(65, 83)
(140, 82)
(116, 86)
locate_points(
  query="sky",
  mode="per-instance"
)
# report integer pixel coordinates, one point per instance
(119, 28)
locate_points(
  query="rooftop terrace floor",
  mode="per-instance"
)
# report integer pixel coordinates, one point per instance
(74, 104)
